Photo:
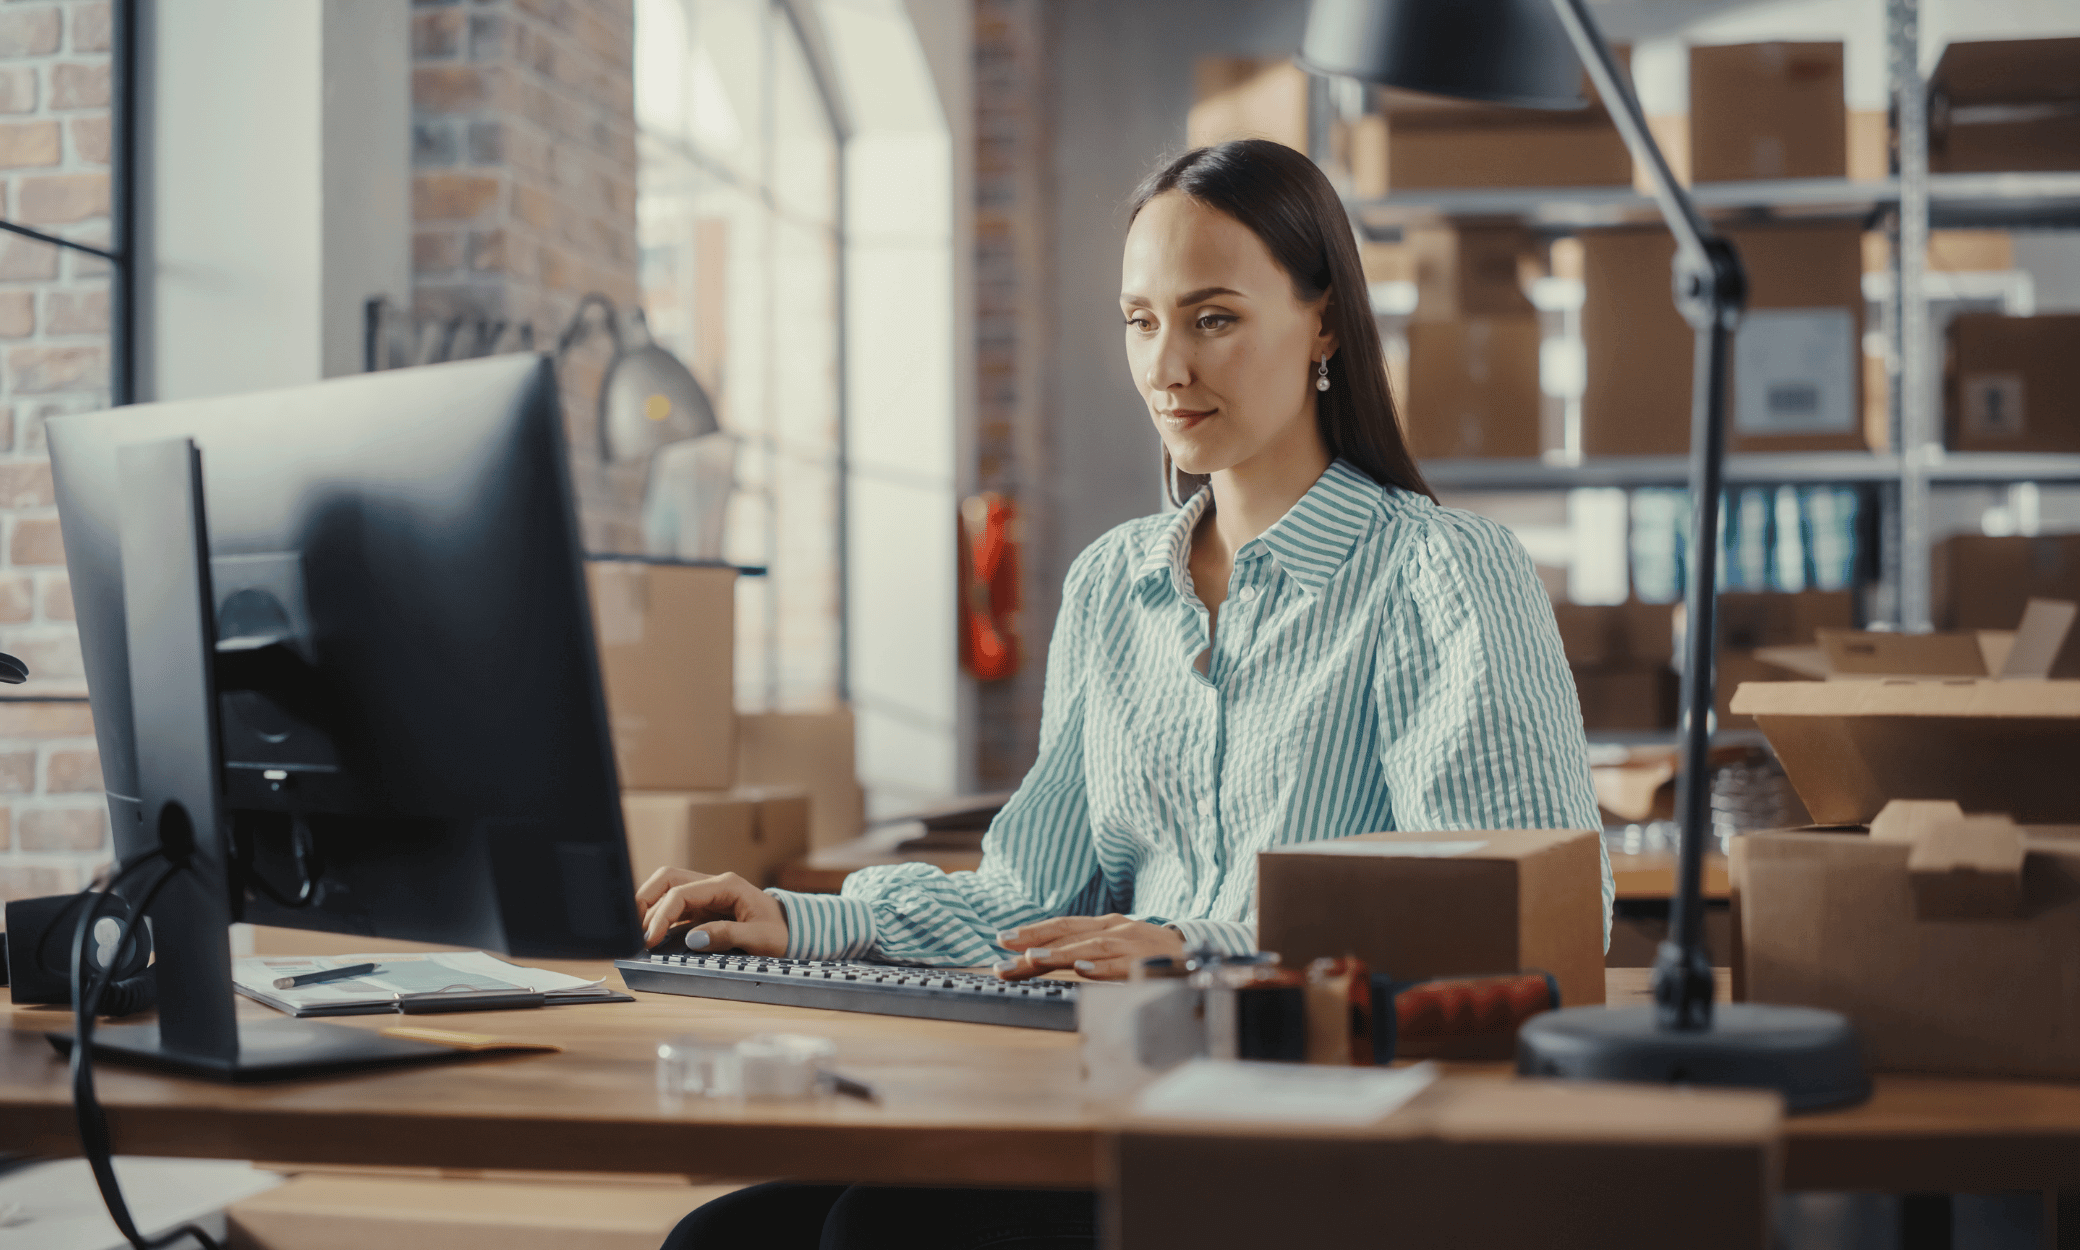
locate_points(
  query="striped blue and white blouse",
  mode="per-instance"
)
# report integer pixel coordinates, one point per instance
(1380, 663)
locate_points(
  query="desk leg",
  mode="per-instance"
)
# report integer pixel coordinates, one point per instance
(1925, 1222)
(2062, 1219)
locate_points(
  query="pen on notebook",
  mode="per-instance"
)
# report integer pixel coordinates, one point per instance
(325, 974)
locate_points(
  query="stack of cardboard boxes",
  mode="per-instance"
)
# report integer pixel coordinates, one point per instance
(1621, 656)
(703, 788)
(1936, 897)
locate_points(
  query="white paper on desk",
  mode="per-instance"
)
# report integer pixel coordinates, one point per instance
(395, 976)
(1282, 1093)
(1391, 850)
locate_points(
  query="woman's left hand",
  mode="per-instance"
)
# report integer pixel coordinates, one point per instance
(1102, 948)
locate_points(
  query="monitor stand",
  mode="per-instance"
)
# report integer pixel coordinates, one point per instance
(171, 614)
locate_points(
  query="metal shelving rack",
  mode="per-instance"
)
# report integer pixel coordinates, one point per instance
(1909, 204)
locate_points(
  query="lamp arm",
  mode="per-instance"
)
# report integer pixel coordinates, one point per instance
(1710, 290)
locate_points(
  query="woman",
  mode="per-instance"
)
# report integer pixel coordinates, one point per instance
(1309, 647)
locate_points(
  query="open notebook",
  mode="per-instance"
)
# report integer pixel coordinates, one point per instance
(439, 981)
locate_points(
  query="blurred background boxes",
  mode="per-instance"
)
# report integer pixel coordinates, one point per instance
(667, 635)
(1797, 383)
(1416, 143)
(1237, 97)
(1620, 656)
(753, 831)
(1473, 387)
(1985, 582)
(2013, 383)
(1767, 110)
(812, 750)
(2005, 104)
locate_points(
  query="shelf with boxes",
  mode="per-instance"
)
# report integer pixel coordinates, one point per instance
(2017, 200)
(1757, 469)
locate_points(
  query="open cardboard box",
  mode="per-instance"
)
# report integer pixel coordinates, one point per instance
(1936, 900)
(2042, 645)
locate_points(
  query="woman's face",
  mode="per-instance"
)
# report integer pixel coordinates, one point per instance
(1222, 352)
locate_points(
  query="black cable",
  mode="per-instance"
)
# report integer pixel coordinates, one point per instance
(87, 988)
(303, 845)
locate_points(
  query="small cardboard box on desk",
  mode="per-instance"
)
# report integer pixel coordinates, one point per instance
(1465, 1163)
(1936, 899)
(1416, 905)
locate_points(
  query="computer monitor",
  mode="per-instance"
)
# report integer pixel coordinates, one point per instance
(341, 661)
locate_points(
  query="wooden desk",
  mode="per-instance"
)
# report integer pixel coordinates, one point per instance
(961, 1104)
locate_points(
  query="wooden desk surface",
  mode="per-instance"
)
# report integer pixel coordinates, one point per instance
(961, 1104)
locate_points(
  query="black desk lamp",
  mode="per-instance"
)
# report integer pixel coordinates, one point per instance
(1528, 53)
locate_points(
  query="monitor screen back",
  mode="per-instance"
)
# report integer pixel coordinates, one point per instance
(412, 536)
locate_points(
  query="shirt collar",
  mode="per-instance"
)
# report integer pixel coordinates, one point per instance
(1310, 542)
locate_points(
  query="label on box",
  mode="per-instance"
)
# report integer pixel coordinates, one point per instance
(1283, 1093)
(1390, 850)
(1993, 405)
(1794, 372)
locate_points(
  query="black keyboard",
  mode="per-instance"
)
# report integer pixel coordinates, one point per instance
(885, 989)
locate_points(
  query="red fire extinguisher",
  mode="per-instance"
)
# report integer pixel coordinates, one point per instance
(989, 586)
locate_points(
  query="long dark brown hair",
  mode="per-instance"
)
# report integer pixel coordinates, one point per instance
(1285, 201)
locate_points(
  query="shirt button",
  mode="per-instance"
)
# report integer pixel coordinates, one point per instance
(1248, 593)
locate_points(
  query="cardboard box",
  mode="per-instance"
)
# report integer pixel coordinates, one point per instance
(752, 831)
(1973, 975)
(1421, 905)
(331, 1212)
(1473, 388)
(813, 750)
(1750, 619)
(1468, 1162)
(2011, 383)
(667, 657)
(1870, 145)
(2005, 104)
(1627, 697)
(1797, 359)
(1767, 110)
(1473, 271)
(1634, 633)
(1418, 142)
(1982, 582)
(1850, 747)
(1245, 98)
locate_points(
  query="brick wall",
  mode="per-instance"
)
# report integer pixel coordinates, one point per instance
(54, 91)
(1012, 265)
(524, 191)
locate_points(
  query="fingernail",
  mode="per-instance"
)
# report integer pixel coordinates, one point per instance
(1006, 965)
(1006, 936)
(1085, 965)
(1039, 952)
(697, 939)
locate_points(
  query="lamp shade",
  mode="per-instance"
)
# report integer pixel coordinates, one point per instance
(649, 399)
(1500, 51)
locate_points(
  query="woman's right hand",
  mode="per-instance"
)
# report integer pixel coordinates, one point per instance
(728, 911)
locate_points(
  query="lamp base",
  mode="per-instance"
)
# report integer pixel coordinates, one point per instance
(1809, 1056)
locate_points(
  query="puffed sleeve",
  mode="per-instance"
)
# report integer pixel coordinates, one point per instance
(1477, 706)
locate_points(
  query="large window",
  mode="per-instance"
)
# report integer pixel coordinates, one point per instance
(738, 216)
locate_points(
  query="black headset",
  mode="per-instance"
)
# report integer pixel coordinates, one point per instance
(38, 952)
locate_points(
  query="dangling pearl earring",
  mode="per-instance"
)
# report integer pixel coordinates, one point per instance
(1321, 378)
